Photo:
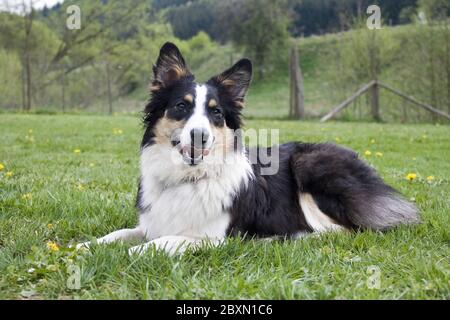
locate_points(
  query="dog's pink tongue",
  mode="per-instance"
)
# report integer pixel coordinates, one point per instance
(194, 153)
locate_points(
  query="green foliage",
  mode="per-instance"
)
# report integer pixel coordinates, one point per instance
(414, 59)
(308, 16)
(435, 9)
(205, 57)
(70, 68)
(10, 78)
(423, 69)
(360, 56)
(194, 17)
(261, 31)
(42, 45)
(12, 36)
(122, 39)
(258, 28)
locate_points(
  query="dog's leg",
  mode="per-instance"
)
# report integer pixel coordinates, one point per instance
(172, 244)
(119, 235)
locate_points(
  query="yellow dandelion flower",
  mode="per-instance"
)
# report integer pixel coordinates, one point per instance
(2, 167)
(27, 196)
(80, 187)
(379, 154)
(52, 246)
(424, 136)
(9, 174)
(430, 178)
(77, 151)
(91, 165)
(411, 176)
(368, 153)
(372, 141)
(30, 131)
(50, 226)
(337, 139)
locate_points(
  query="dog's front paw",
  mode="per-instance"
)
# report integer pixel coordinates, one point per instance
(83, 245)
(138, 250)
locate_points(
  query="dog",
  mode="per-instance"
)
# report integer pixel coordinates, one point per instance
(199, 183)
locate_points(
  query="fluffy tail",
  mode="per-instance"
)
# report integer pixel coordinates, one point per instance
(382, 212)
(348, 190)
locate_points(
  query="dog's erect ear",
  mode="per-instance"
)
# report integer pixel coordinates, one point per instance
(169, 67)
(233, 83)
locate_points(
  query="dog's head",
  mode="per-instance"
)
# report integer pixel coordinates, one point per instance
(195, 119)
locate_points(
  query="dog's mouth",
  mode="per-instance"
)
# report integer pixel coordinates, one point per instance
(191, 154)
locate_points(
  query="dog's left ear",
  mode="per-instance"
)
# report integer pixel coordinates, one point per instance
(169, 68)
(233, 83)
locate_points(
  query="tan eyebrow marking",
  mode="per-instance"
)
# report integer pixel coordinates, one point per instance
(154, 88)
(189, 98)
(239, 104)
(212, 103)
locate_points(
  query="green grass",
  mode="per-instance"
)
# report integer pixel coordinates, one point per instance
(92, 193)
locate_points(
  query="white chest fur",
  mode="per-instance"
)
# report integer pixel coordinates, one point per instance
(188, 201)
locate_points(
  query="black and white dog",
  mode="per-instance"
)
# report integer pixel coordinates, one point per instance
(198, 182)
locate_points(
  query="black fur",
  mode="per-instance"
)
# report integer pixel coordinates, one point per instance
(269, 206)
(343, 187)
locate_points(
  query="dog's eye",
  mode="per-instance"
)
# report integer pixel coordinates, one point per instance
(217, 112)
(180, 106)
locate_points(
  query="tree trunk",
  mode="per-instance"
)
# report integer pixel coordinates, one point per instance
(432, 73)
(108, 80)
(24, 87)
(63, 89)
(28, 20)
(28, 80)
(447, 61)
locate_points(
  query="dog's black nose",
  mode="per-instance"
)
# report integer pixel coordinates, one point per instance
(199, 136)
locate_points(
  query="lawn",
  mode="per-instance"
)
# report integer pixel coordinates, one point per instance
(68, 178)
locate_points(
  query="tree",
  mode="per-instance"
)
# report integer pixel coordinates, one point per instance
(28, 27)
(435, 9)
(261, 31)
(10, 79)
(32, 41)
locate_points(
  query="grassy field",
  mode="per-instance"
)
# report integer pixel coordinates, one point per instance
(65, 179)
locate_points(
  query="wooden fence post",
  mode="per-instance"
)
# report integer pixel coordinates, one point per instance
(375, 102)
(297, 99)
